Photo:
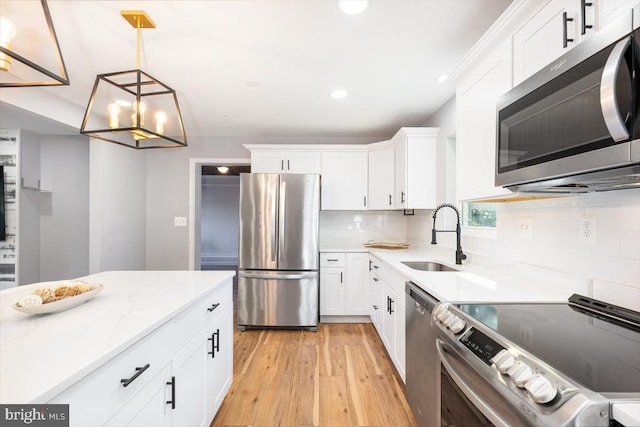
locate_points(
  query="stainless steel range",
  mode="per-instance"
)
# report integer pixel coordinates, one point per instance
(573, 364)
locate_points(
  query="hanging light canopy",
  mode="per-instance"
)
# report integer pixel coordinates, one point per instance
(22, 44)
(131, 108)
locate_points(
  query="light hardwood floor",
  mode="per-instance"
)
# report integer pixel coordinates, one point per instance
(338, 376)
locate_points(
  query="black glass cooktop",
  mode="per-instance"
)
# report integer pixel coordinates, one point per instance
(602, 355)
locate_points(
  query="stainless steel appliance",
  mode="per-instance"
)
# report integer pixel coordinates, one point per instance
(278, 253)
(422, 361)
(565, 364)
(574, 125)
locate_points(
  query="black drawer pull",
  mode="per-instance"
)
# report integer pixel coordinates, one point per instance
(375, 307)
(126, 381)
(213, 307)
(391, 302)
(565, 38)
(584, 5)
(375, 279)
(172, 383)
(333, 260)
(215, 343)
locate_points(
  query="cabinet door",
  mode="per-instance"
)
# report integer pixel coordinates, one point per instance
(609, 10)
(400, 339)
(415, 168)
(219, 369)
(381, 176)
(388, 322)
(476, 128)
(188, 368)
(267, 161)
(303, 162)
(357, 286)
(332, 295)
(344, 181)
(540, 40)
(400, 178)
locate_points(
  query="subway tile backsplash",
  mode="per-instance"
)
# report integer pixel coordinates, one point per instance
(349, 228)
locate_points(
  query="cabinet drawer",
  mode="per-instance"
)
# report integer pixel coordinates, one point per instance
(95, 398)
(197, 315)
(332, 259)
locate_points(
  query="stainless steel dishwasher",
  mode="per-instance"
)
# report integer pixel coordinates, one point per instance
(422, 359)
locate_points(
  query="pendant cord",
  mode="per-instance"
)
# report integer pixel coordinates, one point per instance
(138, 46)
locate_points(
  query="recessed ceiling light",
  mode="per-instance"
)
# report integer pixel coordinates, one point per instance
(442, 78)
(339, 94)
(223, 169)
(352, 7)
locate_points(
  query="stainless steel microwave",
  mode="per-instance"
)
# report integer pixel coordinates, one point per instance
(575, 125)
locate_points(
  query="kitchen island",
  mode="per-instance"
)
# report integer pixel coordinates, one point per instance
(177, 322)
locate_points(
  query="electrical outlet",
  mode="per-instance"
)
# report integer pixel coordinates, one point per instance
(180, 221)
(525, 227)
(587, 229)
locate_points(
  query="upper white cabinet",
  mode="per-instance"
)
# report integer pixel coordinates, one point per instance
(276, 161)
(554, 29)
(415, 168)
(476, 127)
(381, 178)
(609, 10)
(344, 180)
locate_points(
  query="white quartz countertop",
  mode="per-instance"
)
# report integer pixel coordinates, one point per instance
(474, 283)
(42, 355)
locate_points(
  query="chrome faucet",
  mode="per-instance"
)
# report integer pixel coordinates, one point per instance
(459, 254)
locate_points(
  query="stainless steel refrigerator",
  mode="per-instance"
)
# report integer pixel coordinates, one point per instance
(278, 253)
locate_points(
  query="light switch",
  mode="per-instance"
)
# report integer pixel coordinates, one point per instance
(180, 221)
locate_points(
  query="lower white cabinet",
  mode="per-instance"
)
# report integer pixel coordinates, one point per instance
(175, 376)
(344, 289)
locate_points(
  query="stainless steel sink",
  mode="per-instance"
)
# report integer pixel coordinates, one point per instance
(428, 266)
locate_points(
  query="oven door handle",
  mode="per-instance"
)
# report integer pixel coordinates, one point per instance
(608, 99)
(482, 406)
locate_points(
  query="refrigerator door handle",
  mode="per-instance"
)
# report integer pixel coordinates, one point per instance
(274, 230)
(282, 220)
(292, 276)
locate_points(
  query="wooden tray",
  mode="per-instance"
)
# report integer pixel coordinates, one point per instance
(385, 245)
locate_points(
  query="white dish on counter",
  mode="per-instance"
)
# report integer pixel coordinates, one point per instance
(63, 304)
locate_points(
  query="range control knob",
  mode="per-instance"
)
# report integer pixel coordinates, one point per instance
(451, 320)
(503, 361)
(541, 389)
(441, 308)
(445, 317)
(457, 326)
(520, 373)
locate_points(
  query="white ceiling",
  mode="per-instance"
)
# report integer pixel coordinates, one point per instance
(249, 68)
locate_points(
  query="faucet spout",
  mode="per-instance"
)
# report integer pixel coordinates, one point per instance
(459, 254)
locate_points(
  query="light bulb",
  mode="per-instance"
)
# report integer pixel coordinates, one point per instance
(161, 118)
(141, 107)
(223, 169)
(114, 120)
(7, 32)
(353, 7)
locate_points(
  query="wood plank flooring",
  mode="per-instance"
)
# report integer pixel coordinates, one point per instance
(338, 376)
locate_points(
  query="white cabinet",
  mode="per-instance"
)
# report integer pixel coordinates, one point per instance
(344, 180)
(376, 295)
(344, 282)
(393, 328)
(270, 161)
(609, 10)
(381, 178)
(415, 168)
(175, 376)
(476, 100)
(542, 38)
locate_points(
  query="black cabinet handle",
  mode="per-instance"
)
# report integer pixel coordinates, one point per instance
(288, 165)
(341, 277)
(375, 307)
(388, 305)
(213, 307)
(333, 260)
(389, 199)
(375, 279)
(565, 20)
(585, 5)
(365, 201)
(126, 381)
(281, 165)
(391, 310)
(402, 197)
(215, 343)
(370, 263)
(375, 266)
(172, 383)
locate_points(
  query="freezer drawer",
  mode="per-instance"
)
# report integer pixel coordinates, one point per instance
(285, 299)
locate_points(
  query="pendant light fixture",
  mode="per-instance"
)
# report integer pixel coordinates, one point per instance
(27, 57)
(131, 108)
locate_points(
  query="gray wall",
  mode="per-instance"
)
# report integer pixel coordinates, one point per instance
(219, 212)
(64, 213)
(117, 205)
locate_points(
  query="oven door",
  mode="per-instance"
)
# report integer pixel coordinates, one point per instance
(465, 398)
